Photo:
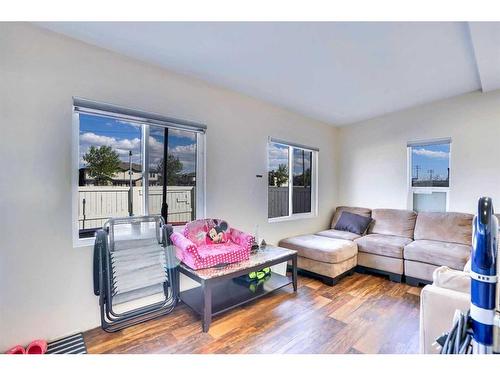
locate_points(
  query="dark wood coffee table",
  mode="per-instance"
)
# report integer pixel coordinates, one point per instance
(219, 292)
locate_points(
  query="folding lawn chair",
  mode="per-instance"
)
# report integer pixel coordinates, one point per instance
(135, 271)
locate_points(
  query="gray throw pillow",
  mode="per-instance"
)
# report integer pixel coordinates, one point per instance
(353, 223)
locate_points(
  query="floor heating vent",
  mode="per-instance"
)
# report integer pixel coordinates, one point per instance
(68, 345)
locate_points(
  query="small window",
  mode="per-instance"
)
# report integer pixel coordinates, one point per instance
(429, 175)
(128, 167)
(291, 181)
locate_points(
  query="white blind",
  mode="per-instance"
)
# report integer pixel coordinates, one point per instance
(293, 144)
(81, 105)
(429, 142)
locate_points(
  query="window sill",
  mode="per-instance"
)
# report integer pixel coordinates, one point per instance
(83, 242)
(429, 189)
(292, 217)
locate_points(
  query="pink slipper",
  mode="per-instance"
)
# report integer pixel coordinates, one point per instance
(18, 349)
(37, 347)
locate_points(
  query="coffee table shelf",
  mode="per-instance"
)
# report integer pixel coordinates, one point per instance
(229, 294)
(219, 290)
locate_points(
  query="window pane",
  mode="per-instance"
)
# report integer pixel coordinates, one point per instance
(431, 165)
(433, 202)
(278, 175)
(110, 171)
(301, 197)
(180, 194)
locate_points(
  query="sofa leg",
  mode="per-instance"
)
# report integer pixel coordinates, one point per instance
(395, 277)
(413, 281)
(329, 281)
(360, 270)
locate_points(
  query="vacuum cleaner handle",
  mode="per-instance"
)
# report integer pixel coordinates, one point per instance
(485, 210)
(484, 248)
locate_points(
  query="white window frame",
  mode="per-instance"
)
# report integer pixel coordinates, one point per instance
(430, 189)
(314, 181)
(200, 175)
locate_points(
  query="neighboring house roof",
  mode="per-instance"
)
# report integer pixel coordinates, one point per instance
(124, 166)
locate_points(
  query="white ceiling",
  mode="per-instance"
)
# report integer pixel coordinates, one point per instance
(338, 72)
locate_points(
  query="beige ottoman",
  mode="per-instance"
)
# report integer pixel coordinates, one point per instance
(323, 257)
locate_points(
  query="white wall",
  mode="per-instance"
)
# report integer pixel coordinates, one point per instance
(46, 284)
(373, 155)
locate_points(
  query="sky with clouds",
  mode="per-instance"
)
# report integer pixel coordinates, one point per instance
(278, 154)
(435, 157)
(125, 136)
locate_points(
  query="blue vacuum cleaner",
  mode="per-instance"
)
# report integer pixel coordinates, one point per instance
(483, 277)
(477, 331)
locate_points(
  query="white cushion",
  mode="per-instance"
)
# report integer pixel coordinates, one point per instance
(448, 278)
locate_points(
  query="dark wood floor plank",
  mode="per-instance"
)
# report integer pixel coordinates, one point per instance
(360, 314)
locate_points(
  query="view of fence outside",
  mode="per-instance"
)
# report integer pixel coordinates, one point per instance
(96, 204)
(278, 200)
(301, 199)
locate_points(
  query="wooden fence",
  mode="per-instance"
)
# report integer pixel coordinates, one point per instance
(96, 204)
(278, 200)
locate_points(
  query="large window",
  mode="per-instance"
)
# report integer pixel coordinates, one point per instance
(131, 165)
(292, 180)
(429, 175)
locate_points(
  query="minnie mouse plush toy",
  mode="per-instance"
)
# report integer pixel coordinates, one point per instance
(217, 234)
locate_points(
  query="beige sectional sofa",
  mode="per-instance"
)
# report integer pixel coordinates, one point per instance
(397, 243)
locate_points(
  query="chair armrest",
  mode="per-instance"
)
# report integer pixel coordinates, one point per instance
(241, 238)
(183, 243)
(437, 308)
(467, 265)
(447, 278)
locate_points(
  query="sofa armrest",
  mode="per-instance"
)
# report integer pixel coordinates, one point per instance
(241, 238)
(437, 308)
(447, 278)
(183, 243)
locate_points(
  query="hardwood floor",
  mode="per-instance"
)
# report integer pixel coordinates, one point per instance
(361, 314)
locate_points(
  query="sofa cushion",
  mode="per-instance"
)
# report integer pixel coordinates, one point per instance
(326, 269)
(419, 270)
(353, 223)
(355, 210)
(444, 226)
(320, 248)
(449, 254)
(381, 263)
(381, 244)
(393, 222)
(340, 234)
